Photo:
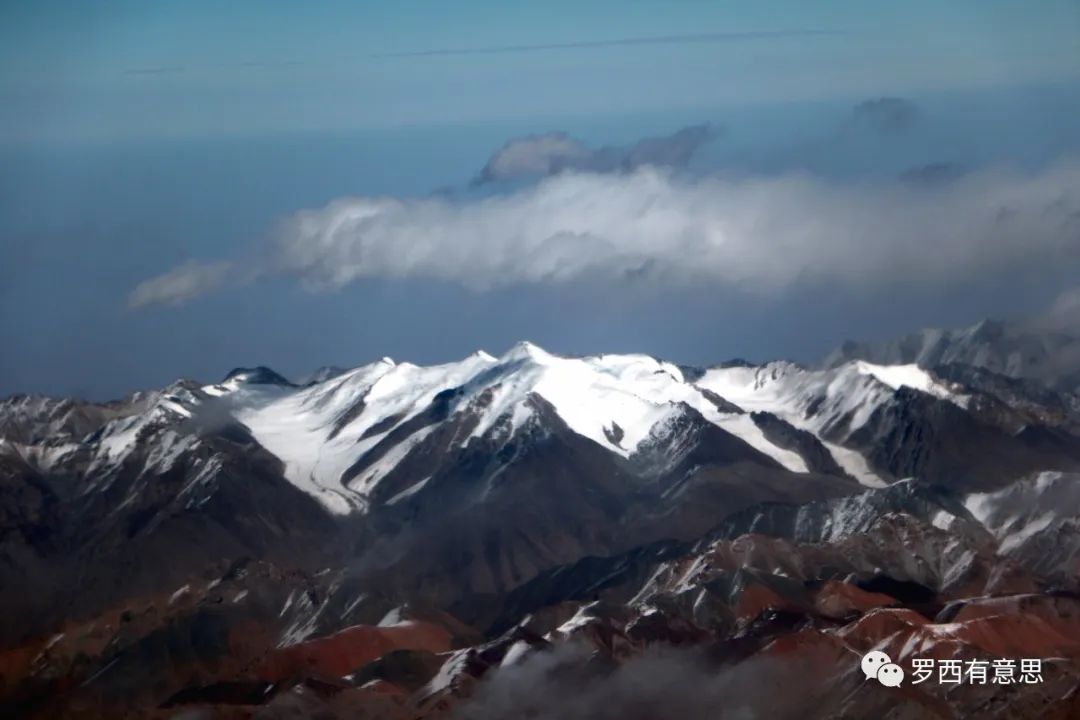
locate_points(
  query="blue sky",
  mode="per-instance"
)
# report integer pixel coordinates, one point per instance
(137, 137)
(117, 69)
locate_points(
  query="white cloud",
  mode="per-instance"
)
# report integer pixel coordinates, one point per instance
(182, 283)
(761, 234)
(757, 234)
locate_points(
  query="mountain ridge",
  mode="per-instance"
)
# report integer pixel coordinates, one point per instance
(1023, 349)
(510, 491)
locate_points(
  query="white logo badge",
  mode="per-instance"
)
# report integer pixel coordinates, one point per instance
(878, 665)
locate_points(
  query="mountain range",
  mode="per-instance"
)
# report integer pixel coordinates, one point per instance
(395, 540)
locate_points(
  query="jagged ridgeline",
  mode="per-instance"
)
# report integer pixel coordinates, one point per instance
(388, 536)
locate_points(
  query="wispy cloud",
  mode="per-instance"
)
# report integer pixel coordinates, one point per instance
(181, 284)
(599, 43)
(156, 70)
(1064, 314)
(683, 39)
(247, 65)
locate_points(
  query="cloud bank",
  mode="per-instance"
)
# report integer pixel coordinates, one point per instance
(662, 684)
(761, 235)
(555, 152)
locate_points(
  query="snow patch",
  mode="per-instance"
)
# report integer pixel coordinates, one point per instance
(408, 492)
(855, 465)
(179, 594)
(395, 616)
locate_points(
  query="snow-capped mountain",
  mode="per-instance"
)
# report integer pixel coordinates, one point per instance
(340, 440)
(502, 486)
(343, 440)
(1028, 350)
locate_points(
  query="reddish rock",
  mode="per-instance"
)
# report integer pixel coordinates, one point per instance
(755, 599)
(877, 625)
(352, 648)
(840, 600)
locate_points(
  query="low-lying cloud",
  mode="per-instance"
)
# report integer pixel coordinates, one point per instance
(662, 684)
(758, 234)
(555, 152)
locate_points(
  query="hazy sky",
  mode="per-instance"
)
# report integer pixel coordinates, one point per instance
(117, 69)
(190, 186)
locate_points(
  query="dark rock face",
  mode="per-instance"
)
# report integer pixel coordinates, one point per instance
(783, 434)
(721, 404)
(1014, 403)
(217, 503)
(934, 440)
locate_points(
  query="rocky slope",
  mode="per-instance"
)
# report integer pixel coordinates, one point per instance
(404, 541)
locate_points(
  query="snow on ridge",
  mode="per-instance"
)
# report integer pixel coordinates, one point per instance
(593, 394)
(911, 376)
(1024, 509)
(783, 387)
(855, 465)
(409, 491)
(822, 402)
(320, 431)
(39, 455)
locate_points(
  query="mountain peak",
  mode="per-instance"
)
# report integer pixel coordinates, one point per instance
(258, 375)
(525, 350)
